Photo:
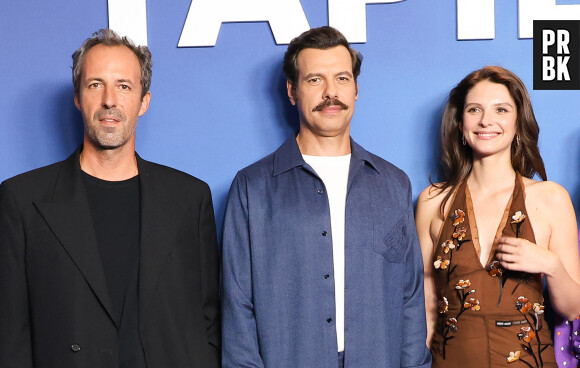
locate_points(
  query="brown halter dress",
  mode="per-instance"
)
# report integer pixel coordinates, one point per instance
(487, 317)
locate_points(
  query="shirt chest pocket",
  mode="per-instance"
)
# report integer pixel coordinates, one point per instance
(390, 235)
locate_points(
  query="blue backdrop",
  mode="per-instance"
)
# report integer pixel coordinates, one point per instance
(217, 109)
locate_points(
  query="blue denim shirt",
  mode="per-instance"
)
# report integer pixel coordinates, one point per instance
(278, 286)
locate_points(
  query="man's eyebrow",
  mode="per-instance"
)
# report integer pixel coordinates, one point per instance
(125, 81)
(310, 75)
(345, 72)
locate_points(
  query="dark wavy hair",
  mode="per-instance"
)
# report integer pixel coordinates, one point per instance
(321, 38)
(457, 159)
(108, 37)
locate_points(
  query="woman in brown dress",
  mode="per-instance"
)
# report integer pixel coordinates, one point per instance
(489, 232)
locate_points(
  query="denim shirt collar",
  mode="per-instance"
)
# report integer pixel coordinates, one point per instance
(288, 156)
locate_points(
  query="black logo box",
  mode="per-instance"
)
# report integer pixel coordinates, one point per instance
(573, 64)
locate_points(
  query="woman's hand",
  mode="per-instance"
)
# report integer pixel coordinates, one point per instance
(517, 254)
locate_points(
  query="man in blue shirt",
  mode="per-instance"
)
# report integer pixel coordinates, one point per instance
(321, 261)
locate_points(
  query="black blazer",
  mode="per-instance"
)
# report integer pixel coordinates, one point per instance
(55, 309)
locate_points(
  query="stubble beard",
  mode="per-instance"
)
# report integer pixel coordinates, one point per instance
(108, 138)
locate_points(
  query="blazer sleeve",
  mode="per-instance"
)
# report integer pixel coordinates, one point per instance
(210, 275)
(240, 338)
(415, 352)
(15, 336)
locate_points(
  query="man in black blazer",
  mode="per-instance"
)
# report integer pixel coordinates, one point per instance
(108, 260)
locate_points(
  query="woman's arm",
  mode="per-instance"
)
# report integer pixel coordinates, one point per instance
(559, 261)
(427, 211)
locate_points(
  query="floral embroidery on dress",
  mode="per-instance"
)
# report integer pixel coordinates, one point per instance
(494, 268)
(459, 233)
(444, 262)
(443, 306)
(462, 284)
(538, 309)
(458, 217)
(514, 355)
(518, 218)
(451, 325)
(472, 303)
(523, 305)
(441, 263)
(528, 335)
(458, 238)
(447, 246)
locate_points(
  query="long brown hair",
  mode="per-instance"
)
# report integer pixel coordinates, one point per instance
(457, 159)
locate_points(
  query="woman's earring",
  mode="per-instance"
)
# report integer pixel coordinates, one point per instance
(463, 140)
(517, 139)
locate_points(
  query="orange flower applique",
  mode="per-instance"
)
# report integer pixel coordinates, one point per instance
(494, 269)
(441, 263)
(462, 284)
(513, 356)
(448, 245)
(458, 216)
(443, 305)
(452, 323)
(523, 305)
(460, 233)
(472, 303)
(526, 334)
(529, 333)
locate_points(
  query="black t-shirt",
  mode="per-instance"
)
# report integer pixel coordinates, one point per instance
(115, 211)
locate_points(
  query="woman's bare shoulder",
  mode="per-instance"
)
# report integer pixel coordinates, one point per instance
(546, 193)
(430, 199)
(434, 192)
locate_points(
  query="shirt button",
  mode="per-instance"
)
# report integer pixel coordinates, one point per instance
(324, 233)
(75, 348)
(326, 276)
(320, 191)
(329, 320)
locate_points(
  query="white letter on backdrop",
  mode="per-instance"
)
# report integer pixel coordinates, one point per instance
(548, 39)
(205, 17)
(530, 10)
(349, 16)
(129, 18)
(475, 19)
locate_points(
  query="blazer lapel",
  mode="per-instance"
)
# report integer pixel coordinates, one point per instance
(160, 221)
(68, 215)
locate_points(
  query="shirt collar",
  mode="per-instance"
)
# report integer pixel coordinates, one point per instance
(288, 156)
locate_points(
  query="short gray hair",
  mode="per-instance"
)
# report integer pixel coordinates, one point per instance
(108, 37)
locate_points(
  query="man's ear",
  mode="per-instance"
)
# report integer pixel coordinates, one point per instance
(145, 103)
(77, 101)
(290, 91)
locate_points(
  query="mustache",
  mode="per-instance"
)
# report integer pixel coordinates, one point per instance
(114, 112)
(330, 102)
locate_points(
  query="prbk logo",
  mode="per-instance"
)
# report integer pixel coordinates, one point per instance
(557, 54)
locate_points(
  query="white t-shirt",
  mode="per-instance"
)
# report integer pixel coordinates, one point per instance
(333, 170)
